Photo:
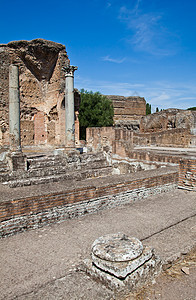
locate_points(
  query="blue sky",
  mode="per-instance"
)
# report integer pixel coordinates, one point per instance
(128, 47)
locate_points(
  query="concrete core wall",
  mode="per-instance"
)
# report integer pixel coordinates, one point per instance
(168, 119)
(42, 91)
(128, 110)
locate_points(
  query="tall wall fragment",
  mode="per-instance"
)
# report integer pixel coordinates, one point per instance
(42, 91)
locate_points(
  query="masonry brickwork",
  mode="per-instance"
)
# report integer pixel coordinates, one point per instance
(24, 213)
(168, 119)
(122, 142)
(186, 163)
(42, 91)
(109, 139)
(128, 110)
(178, 137)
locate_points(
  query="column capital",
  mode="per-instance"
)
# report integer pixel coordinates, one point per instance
(69, 71)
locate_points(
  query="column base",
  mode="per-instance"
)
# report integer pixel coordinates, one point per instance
(17, 161)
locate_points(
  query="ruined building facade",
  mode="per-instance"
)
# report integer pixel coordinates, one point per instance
(168, 119)
(42, 67)
(128, 111)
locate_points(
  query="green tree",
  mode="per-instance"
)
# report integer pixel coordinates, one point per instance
(191, 108)
(96, 110)
(157, 109)
(148, 109)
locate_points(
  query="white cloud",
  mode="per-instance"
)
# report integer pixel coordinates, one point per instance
(114, 60)
(158, 94)
(146, 31)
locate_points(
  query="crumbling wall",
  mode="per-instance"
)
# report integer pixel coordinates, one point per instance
(128, 111)
(109, 139)
(167, 120)
(179, 137)
(31, 212)
(187, 164)
(42, 90)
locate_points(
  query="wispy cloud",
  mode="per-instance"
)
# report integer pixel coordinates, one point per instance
(148, 32)
(114, 60)
(159, 94)
(108, 4)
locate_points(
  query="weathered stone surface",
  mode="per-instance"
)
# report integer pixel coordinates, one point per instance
(70, 199)
(128, 108)
(117, 247)
(128, 264)
(42, 91)
(39, 56)
(122, 268)
(168, 119)
(143, 275)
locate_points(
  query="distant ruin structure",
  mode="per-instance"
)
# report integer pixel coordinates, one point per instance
(128, 111)
(43, 70)
(168, 119)
(39, 129)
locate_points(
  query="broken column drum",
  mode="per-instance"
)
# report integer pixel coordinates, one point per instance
(69, 107)
(14, 109)
(122, 262)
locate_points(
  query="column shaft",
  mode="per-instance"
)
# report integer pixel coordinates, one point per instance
(69, 108)
(14, 109)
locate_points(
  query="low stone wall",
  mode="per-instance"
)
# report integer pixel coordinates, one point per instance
(187, 173)
(121, 139)
(169, 138)
(125, 165)
(115, 140)
(24, 213)
(187, 165)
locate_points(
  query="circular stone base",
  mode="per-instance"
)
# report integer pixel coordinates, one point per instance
(117, 247)
(122, 269)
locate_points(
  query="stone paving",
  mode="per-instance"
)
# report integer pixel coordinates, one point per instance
(44, 263)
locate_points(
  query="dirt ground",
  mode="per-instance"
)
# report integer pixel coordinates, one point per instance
(176, 283)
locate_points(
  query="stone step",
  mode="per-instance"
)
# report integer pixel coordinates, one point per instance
(83, 174)
(3, 167)
(54, 170)
(51, 161)
(47, 168)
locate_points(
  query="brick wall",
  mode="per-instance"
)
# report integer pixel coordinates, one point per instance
(27, 132)
(128, 108)
(41, 88)
(187, 173)
(187, 166)
(40, 128)
(116, 140)
(169, 138)
(31, 212)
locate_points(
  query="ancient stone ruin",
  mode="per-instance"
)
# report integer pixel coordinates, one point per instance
(39, 138)
(43, 67)
(121, 262)
(128, 111)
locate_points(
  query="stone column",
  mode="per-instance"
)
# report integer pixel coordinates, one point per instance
(16, 159)
(14, 109)
(69, 107)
